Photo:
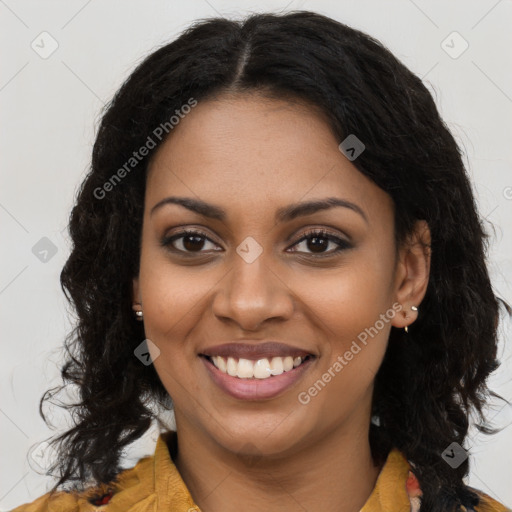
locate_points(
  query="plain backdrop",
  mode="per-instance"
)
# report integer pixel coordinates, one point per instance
(62, 60)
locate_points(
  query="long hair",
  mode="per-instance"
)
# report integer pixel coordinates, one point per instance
(428, 385)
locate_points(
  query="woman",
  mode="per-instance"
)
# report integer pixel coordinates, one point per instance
(277, 234)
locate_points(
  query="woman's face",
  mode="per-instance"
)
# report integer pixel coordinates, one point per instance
(247, 276)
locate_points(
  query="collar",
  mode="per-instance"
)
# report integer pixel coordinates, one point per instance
(156, 484)
(388, 495)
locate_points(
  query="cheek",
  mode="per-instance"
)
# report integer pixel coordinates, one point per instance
(351, 299)
(170, 293)
(353, 312)
(354, 342)
(172, 298)
(356, 328)
(172, 301)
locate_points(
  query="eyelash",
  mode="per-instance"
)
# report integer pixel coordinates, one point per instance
(319, 233)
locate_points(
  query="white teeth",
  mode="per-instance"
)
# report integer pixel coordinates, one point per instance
(245, 369)
(260, 369)
(276, 366)
(288, 363)
(220, 363)
(231, 367)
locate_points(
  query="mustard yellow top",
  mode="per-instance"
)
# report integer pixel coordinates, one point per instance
(155, 485)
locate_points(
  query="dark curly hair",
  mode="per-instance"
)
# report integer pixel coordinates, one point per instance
(427, 388)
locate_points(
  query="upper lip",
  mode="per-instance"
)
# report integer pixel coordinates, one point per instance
(255, 351)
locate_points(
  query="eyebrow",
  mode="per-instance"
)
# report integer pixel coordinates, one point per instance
(284, 214)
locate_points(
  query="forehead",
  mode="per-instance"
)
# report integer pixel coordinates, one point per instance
(252, 151)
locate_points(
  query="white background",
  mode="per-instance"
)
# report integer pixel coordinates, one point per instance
(50, 108)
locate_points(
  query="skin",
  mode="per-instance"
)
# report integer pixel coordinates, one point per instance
(251, 155)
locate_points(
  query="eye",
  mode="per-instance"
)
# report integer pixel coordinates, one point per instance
(193, 241)
(187, 241)
(317, 240)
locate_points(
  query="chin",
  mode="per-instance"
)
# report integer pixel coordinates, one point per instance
(257, 440)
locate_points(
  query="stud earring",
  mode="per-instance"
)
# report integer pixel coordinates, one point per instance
(138, 312)
(406, 328)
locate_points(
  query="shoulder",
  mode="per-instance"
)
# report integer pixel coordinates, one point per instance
(130, 486)
(90, 500)
(488, 504)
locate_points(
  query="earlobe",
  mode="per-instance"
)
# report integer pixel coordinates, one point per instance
(413, 274)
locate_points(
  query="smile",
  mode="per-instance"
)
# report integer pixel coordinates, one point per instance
(259, 369)
(260, 379)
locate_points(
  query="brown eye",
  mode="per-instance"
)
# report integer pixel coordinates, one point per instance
(318, 241)
(188, 241)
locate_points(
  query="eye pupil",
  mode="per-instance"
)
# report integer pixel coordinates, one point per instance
(193, 242)
(315, 245)
(316, 242)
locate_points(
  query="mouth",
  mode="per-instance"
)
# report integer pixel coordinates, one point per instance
(264, 368)
(256, 379)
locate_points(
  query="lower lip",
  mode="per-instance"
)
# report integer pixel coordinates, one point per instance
(256, 389)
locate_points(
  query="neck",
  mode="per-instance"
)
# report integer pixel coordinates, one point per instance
(336, 472)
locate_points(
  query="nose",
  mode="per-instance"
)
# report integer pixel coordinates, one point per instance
(251, 294)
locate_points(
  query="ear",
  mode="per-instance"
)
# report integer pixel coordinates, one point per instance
(412, 273)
